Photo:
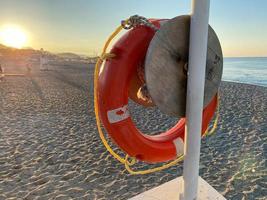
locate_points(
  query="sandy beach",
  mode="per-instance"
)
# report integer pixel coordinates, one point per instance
(50, 148)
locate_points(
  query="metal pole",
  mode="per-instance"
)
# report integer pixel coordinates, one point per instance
(195, 96)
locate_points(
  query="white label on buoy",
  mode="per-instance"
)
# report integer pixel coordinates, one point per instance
(179, 146)
(118, 114)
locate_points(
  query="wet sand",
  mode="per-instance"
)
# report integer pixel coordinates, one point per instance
(50, 149)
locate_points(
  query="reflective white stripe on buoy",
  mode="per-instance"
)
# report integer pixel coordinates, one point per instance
(179, 146)
(118, 114)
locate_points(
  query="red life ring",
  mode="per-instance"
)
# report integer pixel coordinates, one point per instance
(113, 84)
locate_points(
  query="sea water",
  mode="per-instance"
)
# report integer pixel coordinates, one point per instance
(251, 70)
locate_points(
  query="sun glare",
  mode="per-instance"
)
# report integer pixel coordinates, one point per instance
(13, 36)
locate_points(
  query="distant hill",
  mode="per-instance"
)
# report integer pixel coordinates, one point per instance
(68, 55)
(4, 47)
(9, 53)
(14, 53)
(29, 51)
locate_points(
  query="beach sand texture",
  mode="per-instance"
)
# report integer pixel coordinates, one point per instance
(50, 148)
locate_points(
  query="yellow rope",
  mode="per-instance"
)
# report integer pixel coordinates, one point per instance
(156, 169)
(125, 160)
(99, 62)
(215, 124)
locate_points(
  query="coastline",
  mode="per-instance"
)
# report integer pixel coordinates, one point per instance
(244, 83)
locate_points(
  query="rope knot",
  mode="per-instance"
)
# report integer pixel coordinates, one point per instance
(130, 161)
(135, 21)
(105, 56)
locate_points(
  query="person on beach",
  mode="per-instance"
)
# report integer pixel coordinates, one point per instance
(1, 73)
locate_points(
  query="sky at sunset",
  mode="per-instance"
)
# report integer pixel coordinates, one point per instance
(81, 26)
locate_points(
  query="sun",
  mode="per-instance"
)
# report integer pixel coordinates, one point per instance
(13, 36)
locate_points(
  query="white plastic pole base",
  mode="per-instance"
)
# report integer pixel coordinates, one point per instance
(173, 189)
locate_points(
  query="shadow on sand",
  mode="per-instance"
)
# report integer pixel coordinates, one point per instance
(67, 80)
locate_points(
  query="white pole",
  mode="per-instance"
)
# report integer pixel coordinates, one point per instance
(195, 96)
